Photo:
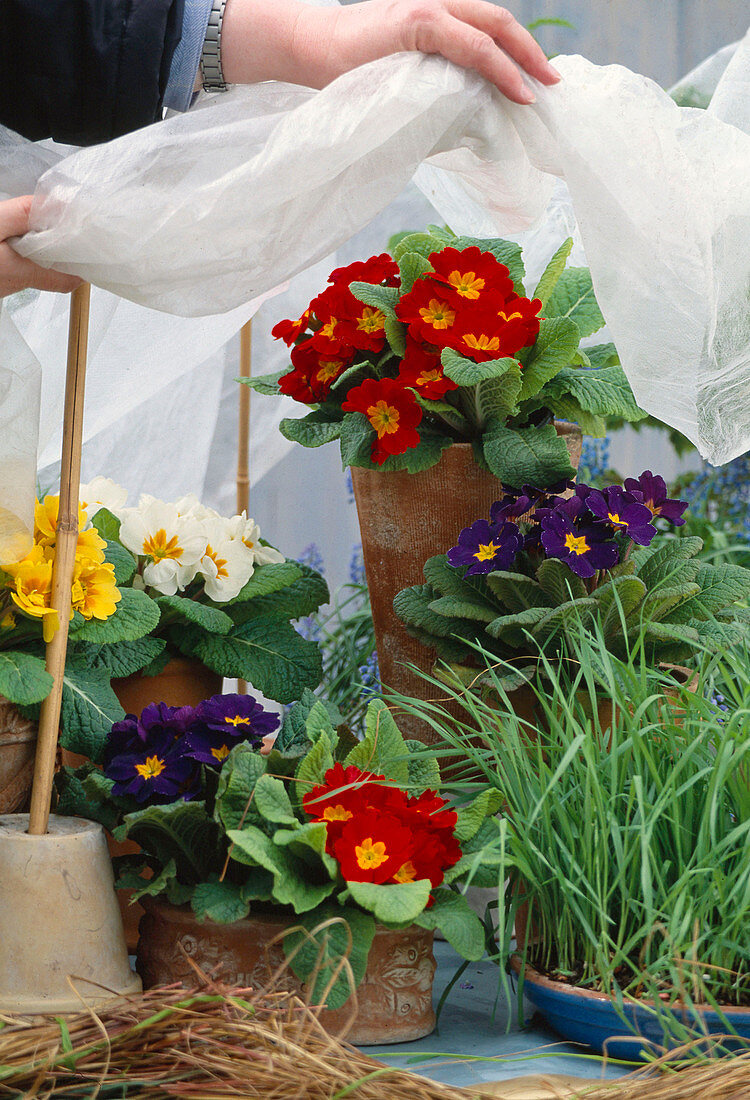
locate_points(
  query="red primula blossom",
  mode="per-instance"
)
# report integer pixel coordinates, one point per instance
(344, 792)
(421, 370)
(498, 330)
(288, 331)
(314, 372)
(373, 847)
(378, 269)
(520, 318)
(430, 312)
(393, 412)
(470, 274)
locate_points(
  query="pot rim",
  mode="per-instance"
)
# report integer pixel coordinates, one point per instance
(579, 992)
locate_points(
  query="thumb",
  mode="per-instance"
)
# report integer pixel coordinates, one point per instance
(14, 217)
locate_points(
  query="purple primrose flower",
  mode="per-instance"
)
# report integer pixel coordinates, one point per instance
(651, 489)
(160, 772)
(568, 534)
(485, 547)
(623, 511)
(224, 721)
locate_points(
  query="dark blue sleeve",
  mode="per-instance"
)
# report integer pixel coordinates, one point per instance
(85, 71)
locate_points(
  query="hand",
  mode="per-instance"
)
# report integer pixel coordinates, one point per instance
(17, 273)
(302, 44)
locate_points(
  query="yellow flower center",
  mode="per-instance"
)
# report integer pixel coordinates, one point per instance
(654, 509)
(328, 328)
(482, 342)
(329, 368)
(237, 720)
(158, 546)
(153, 767)
(370, 320)
(577, 544)
(615, 519)
(428, 376)
(384, 418)
(220, 563)
(438, 314)
(337, 813)
(222, 753)
(509, 316)
(486, 551)
(407, 872)
(467, 285)
(370, 855)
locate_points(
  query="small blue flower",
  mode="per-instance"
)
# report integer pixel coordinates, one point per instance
(357, 566)
(369, 674)
(312, 557)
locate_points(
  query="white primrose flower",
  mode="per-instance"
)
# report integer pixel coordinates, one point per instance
(189, 505)
(226, 567)
(248, 532)
(172, 545)
(100, 493)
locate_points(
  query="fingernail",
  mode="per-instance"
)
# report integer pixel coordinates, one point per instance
(526, 95)
(554, 73)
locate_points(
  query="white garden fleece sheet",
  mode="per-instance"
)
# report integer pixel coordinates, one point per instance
(207, 211)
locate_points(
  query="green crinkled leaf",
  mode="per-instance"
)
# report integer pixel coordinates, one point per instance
(718, 636)
(445, 579)
(302, 597)
(458, 922)
(75, 799)
(312, 767)
(424, 770)
(383, 749)
(222, 902)
(308, 844)
(560, 582)
(567, 408)
(514, 629)
(272, 801)
(238, 781)
(517, 592)
(471, 817)
(267, 384)
(395, 334)
(507, 252)
(400, 903)
(318, 951)
(527, 456)
(384, 298)
(455, 607)
(574, 297)
(182, 831)
(443, 411)
(427, 453)
(120, 659)
(89, 710)
(619, 599)
(556, 620)
(107, 524)
(23, 678)
(313, 430)
(412, 605)
(258, 886)
(292, 736)
(465, 372)
(318, 723)
(671, 632)
(265, 651)
(267, 579)
(211, 619)
(670, 563)
(554, 348)
(553, 271)
(357, 436)
(498, 397)
(720, 587)
(291, 884)
(602, 355)
(137, 614)
(658, 604)
(123, 561)
(604, 392)
(412, 266)
(130, 878)
(423, 243)
(481, 859)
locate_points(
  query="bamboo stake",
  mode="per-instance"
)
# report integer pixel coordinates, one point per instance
(243, 436)
(65, 553)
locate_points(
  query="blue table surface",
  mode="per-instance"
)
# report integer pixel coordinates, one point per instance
(473, 1042)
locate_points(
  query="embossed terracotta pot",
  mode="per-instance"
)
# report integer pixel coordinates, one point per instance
(17, 748)
(405, 519)
(181, 683)
(394, 999)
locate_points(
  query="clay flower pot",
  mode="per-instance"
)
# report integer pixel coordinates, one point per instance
(17, 747)
(584, 1016)
(404, 519)
(394, 1000)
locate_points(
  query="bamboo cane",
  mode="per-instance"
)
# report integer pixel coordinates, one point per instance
(65, 552)
(243, 436)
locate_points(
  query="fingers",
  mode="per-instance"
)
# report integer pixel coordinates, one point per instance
(17, 273)
(508, 33)
(475, 49)
(14, 217)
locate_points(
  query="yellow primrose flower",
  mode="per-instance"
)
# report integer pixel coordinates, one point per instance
(33, 584)
(91, 545)
(8, 619)
(95, 593)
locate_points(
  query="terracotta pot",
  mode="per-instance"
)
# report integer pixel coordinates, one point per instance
(405, 519)
(585, 1016)
(394, 999)
(17, 748)
(182, 682)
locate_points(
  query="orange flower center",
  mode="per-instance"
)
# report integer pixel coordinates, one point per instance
(427, 376)
(221, 753)
(482, 342)
(486, 551)
(220, 563)
(328, 327)
(407, 872)
(576, 544)
(370, 855)
(467, 285)
(337, 813)
(438, 314)
(384, 418)
(370, 320)
(329, 368)
(158, 546)
(153, 767)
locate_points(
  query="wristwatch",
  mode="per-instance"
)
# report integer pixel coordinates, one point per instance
(211, 72)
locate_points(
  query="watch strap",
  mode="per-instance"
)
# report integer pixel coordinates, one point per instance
(211, 71)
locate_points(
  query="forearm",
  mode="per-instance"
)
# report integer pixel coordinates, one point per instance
(284, 40)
